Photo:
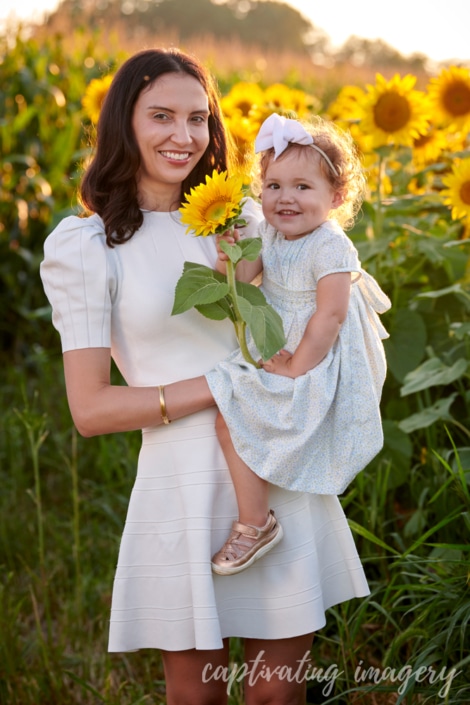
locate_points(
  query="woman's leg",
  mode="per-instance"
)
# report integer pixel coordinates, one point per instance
(278, 670)
(251, 491)
(196, 677)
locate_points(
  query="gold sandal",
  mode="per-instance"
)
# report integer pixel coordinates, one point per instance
(238, 553)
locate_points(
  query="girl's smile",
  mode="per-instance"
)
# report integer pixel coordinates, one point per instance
(296, 196)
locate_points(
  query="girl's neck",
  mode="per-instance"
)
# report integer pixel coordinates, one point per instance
(301, 235)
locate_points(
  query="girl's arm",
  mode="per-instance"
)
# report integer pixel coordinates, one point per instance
(245, 271)
(99, 407)
(322, 329)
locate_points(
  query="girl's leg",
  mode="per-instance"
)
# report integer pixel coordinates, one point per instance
(196, 677)
(257, 531)
(251, 491)
(278, 670)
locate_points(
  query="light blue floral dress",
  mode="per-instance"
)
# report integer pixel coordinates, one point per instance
(316, 432)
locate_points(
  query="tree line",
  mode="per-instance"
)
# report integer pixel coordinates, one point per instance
(266, 24)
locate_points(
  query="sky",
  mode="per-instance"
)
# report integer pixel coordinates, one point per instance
(436, 28)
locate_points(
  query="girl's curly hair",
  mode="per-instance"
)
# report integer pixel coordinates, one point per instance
(342, 151)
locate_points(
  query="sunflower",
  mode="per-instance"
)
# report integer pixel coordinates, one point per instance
(393, 112)
(243, 132)
(241, 99)
(427, 148)
(450, 95)
(214, 206)
(347, 105)
(280, 98)
(94, 96)
(457, 193)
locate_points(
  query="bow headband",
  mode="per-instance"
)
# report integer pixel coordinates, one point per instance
(278, 132)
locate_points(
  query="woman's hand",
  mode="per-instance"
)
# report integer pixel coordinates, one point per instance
(281, 364)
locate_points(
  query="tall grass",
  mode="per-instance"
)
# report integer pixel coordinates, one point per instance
(62, 509)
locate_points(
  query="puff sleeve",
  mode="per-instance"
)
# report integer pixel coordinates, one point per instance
(334, 252)
(79, 276)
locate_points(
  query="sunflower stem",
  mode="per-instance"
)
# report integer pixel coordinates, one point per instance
(379, 209)
(239, 323)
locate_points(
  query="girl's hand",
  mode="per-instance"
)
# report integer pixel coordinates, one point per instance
(231, 237)
(280, 364)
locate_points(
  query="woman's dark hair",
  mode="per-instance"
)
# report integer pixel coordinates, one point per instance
(109, 185)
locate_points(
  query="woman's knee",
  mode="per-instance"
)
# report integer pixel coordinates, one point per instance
(196, 677)
(281, 669)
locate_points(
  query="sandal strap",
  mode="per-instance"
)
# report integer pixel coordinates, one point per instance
(251, 532)
(235, 546)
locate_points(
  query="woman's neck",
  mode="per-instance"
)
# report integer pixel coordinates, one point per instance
(163, 200)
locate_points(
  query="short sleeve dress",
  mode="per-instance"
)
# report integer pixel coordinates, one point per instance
(313, 433)
(182, 503)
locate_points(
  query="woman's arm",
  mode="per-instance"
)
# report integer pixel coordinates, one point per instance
(322, 329)
(97, 407)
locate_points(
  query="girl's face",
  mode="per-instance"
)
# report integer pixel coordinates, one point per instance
(295, 196)
(170, 124)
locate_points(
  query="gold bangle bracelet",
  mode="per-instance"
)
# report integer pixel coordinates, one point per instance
(163, 410)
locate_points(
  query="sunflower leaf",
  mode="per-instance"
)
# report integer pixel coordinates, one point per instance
(198, 285)
(217, 311)
(440, 411)
(264, 322)
(432, 373)
(251, 248)
(233, 251)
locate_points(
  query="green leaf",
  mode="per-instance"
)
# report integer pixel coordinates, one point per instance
(396, 440)
(454, 289)
(432, 373)
(406, 346)
(437, 412)
(198, 285)
(265, 325)
(460, 330)
(251, 248)
(216, 311)
(233, 252)
(362, 531)
(251, 292)
(248, 249)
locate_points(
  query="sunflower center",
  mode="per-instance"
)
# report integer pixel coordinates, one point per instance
(391, 112)
(216, 211)
(456, 98)
(244, 106)
(465, 193)
(422, 141)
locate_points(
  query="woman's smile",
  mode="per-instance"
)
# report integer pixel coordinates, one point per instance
(170, 123)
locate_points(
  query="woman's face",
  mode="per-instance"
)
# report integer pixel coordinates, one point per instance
(170, 123)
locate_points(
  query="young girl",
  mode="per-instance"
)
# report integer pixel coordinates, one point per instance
(309, 420)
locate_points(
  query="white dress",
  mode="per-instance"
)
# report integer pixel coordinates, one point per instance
(182, 504)
(313, 433)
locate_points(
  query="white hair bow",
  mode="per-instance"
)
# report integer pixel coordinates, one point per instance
(277, 132)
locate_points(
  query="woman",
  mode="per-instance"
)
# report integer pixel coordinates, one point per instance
(110, 278)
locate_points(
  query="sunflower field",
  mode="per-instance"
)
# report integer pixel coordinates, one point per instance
(63, 498)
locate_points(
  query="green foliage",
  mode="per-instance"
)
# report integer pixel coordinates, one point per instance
(43, 142)
(217, 296)
(63, 499)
